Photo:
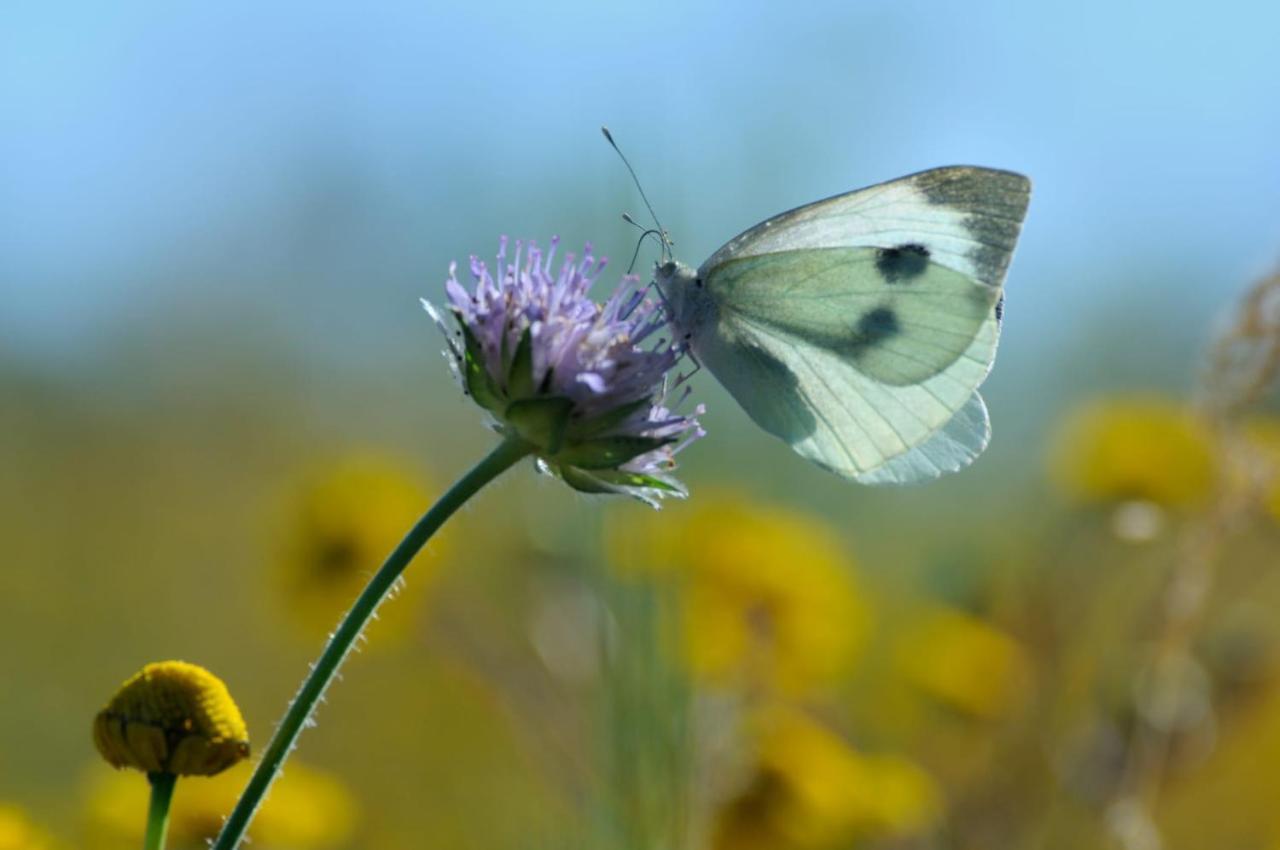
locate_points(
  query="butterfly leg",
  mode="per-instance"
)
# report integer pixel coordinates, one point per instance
(681, 380)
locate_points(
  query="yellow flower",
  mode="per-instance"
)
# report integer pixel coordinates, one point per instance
(306, 809)
(1142, 449)
(810, 789)
(17, 832)
(768, 596)
(963, 662)
(338, 527)
(172, 717)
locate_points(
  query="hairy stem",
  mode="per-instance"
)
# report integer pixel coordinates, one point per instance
(322, 671)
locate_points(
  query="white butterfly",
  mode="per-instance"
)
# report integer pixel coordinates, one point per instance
(859, 328)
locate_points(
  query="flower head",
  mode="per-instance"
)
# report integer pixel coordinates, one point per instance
(769, 597)
(809, 789)
(584, 384)
(1144, 448)
(963, 662)
(336, 523)
(172, 717)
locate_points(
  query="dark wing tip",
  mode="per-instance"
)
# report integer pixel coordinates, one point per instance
(977, 189)
(994, 204)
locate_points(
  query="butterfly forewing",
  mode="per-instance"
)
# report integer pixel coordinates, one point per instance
(967, 218)
(899, 329)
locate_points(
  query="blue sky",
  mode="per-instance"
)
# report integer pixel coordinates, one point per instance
(175, 156)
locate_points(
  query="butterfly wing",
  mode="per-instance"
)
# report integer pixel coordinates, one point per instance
(967, 217)
(858, 328)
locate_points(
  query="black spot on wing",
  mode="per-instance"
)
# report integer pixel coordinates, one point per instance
(871, 348)
(1000, 310)
(873, 328)
(902, 262)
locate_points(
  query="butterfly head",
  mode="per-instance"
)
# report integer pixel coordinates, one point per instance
(673, 276)
(680, 286)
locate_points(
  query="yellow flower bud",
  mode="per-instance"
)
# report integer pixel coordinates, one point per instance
(172, 717)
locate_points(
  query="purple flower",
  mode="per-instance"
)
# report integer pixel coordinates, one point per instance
(586, 385)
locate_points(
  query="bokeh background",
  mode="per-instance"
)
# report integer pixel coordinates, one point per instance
(215, 225)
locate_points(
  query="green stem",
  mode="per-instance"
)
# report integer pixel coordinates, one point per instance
(295, 718)
(158, 815)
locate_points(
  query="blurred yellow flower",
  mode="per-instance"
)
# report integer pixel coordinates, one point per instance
(17, 832)
(962, 661)
(810, 789)
(306, 809)
(768, 596)
(172, 717)
(338, 526)
(1142, 449)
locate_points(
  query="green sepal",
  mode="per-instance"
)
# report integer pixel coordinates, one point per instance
(605, 421)
(541, 421)
(619, 483)
(609, 452)
(622, 478)
(520, 375)
(480, 384)
(584, 482)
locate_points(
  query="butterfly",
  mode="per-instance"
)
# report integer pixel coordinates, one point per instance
(858, 328)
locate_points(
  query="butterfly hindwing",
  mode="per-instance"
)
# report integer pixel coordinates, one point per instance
(949, 449)
(831, 412)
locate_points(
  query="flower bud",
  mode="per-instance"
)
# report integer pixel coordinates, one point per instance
(172, 717)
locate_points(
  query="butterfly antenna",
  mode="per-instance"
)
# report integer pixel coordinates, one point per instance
(662, 231)
(647, 232)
